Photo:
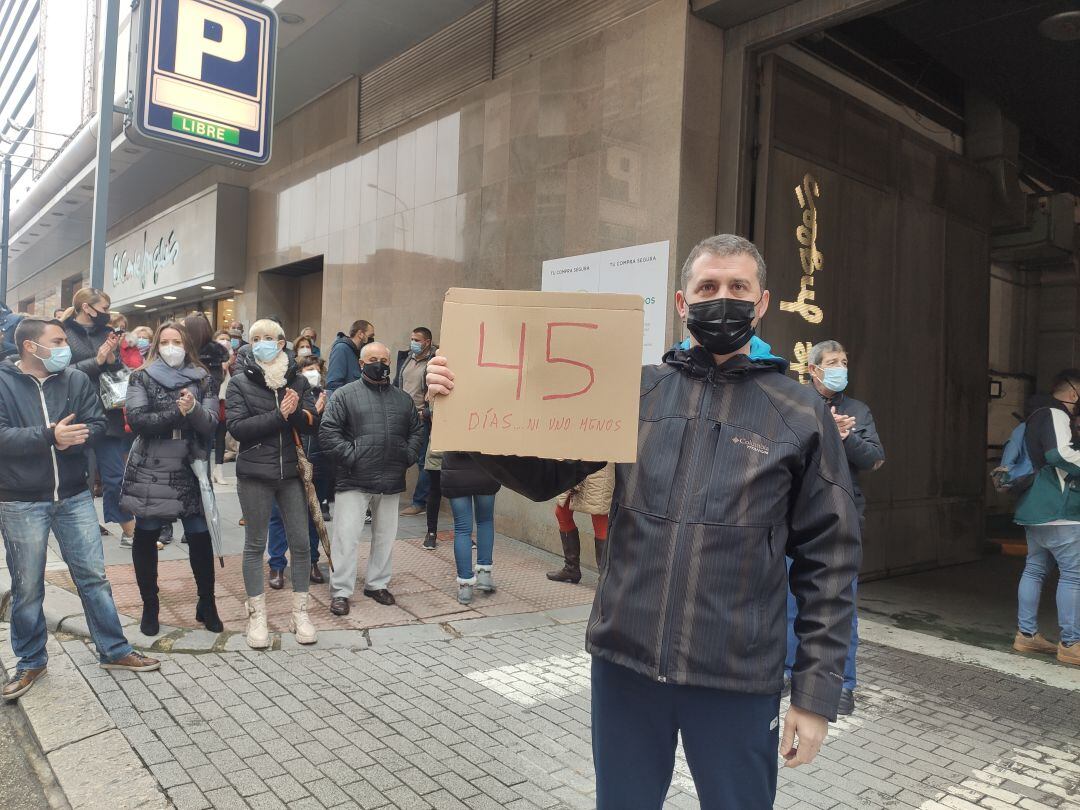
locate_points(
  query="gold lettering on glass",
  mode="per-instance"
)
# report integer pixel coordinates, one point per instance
(811, 259)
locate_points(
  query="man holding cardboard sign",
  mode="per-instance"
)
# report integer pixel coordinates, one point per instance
(737, 464)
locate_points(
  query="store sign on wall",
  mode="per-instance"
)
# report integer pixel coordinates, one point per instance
(639, 269)
(812, 260)
(143, 265)
(173, 251)
(203, 74)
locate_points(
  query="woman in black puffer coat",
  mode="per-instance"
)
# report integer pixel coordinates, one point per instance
(472, 500)
(267, 405)
(172, 410)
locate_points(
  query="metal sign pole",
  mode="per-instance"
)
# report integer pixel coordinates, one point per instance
(104, 146)
(5, 231)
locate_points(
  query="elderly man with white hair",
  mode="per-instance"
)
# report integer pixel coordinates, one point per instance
(373, 433)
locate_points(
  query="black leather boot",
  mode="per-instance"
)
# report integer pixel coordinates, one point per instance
(599, 546)
(201, 557)
(144, 556)
(571, 548)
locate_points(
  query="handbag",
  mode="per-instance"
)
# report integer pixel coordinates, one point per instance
(113, 388)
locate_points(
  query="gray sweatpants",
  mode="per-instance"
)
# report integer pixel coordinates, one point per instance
(349, 511)
(256, 501)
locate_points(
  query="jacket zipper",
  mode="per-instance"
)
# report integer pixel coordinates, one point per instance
(52, 448)
(676, 570)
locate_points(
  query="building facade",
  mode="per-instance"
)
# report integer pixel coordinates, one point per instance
(464, 153)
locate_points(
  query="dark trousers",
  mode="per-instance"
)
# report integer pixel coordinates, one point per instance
(730, 739)
(434, 499)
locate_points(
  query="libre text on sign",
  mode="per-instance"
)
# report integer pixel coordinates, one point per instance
(202, 74)
(536, 375)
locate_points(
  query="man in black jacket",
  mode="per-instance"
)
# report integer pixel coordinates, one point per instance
(49, 414)
(737, 464)
(828, 362)
(372, 432)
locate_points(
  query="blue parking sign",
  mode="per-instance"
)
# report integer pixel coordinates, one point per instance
(202, 76)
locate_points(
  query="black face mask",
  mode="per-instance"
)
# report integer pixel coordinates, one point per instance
(100, 318)
(722, 325)
(376, 372)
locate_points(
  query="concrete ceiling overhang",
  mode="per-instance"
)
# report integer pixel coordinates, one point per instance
(729, 13)
(330, 41)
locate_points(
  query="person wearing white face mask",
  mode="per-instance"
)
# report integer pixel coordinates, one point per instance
(172, 408)
(268, 405)
(828, 368)
(277, 545)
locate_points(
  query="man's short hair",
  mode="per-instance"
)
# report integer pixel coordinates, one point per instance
(358, 326)
(818, 351)
(423, 330)
(723, 244)
(1068, 378)
(32, 329)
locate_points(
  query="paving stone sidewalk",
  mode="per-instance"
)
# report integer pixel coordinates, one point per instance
(501, 720)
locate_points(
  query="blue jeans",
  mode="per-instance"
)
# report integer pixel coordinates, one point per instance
(463, 509)
(850, 681)
(730, 740)
(110, 453)
(277, 544)
(1047, 545)
(25, 527)
(423, 482)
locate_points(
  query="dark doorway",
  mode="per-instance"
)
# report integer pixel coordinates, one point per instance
(293, 294)
(879, 238)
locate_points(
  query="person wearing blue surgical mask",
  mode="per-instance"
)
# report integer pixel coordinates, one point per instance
(828, 366)
(268, 404)
(50, 415)
(410, 378)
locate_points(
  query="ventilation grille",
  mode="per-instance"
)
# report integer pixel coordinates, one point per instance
(473, 50)
(445, 64)
(526, 29)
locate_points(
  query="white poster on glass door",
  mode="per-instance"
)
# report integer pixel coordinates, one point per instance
(636, 270)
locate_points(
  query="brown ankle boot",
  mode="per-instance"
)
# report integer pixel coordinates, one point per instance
(599, 546)
(571, 549)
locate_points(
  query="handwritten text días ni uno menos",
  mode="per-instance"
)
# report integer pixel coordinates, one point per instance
(494, 420)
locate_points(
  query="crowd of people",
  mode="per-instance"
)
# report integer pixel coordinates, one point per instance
(184, 393)
(727, 577)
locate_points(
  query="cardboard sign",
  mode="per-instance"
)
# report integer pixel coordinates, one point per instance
(541, 374)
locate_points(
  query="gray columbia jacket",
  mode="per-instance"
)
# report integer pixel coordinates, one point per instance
(737, 465)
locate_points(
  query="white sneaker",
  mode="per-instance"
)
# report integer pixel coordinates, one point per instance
(484, 582)
(127, 540)
(300, 623)
(258, 634)
(465, 590)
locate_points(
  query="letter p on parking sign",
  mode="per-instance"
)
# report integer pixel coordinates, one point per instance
(202, 74)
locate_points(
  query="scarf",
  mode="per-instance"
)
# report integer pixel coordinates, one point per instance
(274, 372)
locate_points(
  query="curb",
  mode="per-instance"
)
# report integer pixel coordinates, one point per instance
(78, 732)
(64, 614)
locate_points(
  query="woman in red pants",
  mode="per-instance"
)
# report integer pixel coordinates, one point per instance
(593, 497)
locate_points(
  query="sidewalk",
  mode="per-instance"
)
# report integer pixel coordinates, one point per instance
(424, 584)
